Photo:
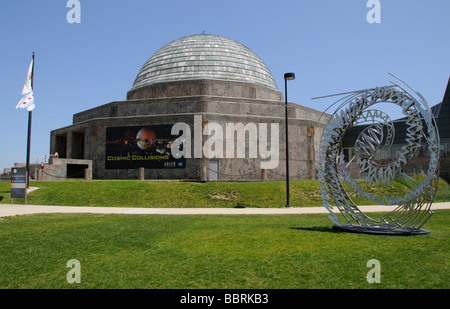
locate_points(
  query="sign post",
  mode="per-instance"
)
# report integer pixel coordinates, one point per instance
(18, 183)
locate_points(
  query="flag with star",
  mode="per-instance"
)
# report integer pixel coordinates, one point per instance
(27, 101)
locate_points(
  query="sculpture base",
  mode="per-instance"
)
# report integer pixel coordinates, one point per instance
(380, 230)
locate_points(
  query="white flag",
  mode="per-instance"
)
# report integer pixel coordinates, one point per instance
(27, 87)
(27, 102)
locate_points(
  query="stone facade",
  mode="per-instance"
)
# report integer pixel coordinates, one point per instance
(90, 128)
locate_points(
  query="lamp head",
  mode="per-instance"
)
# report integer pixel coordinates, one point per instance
(289, 76)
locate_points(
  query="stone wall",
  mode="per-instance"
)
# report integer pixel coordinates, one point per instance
(305, 127)
(59, 169)
(204, 87)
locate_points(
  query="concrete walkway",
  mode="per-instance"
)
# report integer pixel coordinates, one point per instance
(7, 210)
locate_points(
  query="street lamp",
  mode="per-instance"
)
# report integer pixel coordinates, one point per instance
(287, 76)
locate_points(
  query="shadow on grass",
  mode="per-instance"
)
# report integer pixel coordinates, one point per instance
(3, 194)
(325, 229)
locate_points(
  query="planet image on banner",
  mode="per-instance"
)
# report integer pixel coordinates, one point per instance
(145, 138)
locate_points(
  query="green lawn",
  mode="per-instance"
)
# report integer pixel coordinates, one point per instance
(215, 252)
(209, 252)
(134, 193)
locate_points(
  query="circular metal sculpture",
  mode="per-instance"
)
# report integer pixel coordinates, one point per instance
(375, 163)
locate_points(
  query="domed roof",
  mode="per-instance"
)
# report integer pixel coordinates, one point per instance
(204, 56)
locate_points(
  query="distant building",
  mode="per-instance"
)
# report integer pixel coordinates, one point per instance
(210, 84)
(441, 112)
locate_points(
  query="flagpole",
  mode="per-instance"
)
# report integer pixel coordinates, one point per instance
(29, 132)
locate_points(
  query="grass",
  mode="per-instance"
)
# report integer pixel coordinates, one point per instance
(215, 252)
(443, 192)
(134, 193)
(209, 252)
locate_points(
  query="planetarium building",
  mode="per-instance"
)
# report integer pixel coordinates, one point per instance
(203, 107)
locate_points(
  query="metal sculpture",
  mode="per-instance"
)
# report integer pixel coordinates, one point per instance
(372, 158)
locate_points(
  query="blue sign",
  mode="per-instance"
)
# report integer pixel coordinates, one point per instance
(18, 182)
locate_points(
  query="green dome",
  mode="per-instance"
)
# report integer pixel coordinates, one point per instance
(204, 56)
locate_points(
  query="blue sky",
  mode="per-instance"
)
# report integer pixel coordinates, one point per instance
(327, 43)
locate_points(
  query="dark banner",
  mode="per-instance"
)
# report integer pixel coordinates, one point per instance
(143, 146)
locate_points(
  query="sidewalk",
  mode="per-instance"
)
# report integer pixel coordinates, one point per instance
(7, 210)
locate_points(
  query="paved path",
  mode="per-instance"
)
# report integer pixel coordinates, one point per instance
(7, 210)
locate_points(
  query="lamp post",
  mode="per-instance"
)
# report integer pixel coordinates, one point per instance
(287, 76)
